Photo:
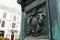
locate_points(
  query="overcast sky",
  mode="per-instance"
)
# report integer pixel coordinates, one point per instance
(11, 3)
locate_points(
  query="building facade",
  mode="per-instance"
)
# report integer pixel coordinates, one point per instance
(9, 22)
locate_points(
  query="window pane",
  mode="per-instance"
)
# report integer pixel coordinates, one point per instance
(3, 23)
(2, 33)
(14, 18)
(4, 15)
(0, 21)
(13, 25)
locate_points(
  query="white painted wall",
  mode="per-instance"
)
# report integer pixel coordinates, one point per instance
(8, 22)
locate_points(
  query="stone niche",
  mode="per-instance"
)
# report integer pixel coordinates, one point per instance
(36, 22)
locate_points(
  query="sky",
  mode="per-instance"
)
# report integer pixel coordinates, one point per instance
(11, 3)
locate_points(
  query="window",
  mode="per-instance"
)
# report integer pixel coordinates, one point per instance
(3, 23)
(2, 33)
(14, 18)
(13, 25)
(4, 15)
(0, 21)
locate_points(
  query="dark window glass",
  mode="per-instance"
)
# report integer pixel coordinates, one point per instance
(3, 23)
(0, 21)
(2, 33)
(13, 25)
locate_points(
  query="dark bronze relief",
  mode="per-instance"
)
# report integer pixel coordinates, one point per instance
(35, 22)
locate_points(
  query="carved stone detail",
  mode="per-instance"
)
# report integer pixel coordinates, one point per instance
(35, 22)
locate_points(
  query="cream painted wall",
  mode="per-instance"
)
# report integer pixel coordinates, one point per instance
(8, 22)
